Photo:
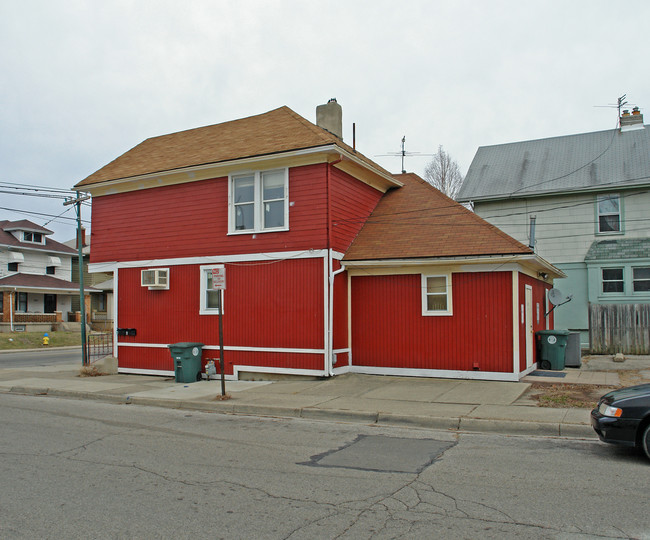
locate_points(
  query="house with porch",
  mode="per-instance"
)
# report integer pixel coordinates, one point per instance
(582, 202)
(332, 263)
(36, 290)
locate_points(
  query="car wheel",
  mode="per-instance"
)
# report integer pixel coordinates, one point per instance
(645, 441)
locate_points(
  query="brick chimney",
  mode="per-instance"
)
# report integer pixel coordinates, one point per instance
(630, 122)
(330, 117)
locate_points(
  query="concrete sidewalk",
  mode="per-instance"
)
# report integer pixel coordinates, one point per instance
(451, 404)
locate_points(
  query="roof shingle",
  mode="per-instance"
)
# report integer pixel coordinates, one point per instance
(418, 221)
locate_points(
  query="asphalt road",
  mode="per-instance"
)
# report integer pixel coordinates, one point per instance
(44, 357)
(85, 469)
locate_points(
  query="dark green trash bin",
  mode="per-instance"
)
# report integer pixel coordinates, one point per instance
(551, 348)
(187, 361)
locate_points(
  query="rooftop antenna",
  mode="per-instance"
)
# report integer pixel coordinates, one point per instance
(620, 103)
(404, 153)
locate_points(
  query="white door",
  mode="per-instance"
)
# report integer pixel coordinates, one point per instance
(528, 326)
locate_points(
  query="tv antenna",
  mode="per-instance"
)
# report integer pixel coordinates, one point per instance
(620, 103)
(557, 298)
(404, 153)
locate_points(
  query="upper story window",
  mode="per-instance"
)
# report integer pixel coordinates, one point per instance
(50, 270)
(613, 280)
(436, 295)
(12, 267)
(33, 237)
(641, 279)
(258, 202)
(609, 213)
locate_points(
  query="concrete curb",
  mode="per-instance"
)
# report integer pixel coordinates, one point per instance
(66, 348)
(458, 424)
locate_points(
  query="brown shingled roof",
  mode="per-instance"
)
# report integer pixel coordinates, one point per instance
(33, 281)
(279, 130)
(418, 221)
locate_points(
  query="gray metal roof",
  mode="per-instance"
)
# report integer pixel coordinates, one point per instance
(587, 161)
(624, 248)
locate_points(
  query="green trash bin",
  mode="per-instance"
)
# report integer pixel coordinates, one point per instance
(551, 348)
(187, 361)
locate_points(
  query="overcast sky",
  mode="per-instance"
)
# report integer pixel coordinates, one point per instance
(83, 81)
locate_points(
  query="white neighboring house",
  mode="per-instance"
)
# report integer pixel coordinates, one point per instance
(98, 284)
(36, 289)
(588, 197)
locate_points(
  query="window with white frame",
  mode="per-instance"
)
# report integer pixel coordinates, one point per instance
(436, 295)
(612, 279)
(211, 299)
(259, 201)
(641, 279)
(609, 213)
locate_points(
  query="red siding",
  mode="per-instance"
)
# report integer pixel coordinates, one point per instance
(191, 219)
(352, 202)
(277, 305)
(388, 329)
(539, 298)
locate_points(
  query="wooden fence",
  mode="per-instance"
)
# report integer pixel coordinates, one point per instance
(623, 328)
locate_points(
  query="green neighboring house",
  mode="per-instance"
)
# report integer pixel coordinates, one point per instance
(588, 197)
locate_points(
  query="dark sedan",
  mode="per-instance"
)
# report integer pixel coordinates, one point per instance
(623, 417)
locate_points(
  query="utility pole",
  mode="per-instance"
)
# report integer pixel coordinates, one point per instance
(77, 202)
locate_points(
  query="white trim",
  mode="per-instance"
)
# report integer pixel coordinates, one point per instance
(515, 321)
(437, 373)
(288, 371)
(448, 293)
(528, 370)
(210, 259)
(229, 348)
(16, 256)
(529, 323)
(146, 371)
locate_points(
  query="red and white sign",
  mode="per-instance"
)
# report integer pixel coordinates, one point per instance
(219, 278)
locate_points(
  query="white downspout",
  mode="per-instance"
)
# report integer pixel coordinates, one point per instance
(330, 334)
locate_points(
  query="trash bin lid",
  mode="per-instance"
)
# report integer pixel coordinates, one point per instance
(553, 332)
(185, 345)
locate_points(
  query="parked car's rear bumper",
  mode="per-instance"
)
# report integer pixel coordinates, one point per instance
(614, 430)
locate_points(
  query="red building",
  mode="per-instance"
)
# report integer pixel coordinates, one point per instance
(332, 263)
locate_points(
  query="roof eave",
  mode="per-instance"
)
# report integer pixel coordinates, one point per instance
(223, 168)
(526, 259)
(614, 186)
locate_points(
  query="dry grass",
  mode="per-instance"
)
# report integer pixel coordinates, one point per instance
(582, 396)
(220, 397)
(90, 371)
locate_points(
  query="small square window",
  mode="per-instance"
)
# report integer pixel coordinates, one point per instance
(50, 270)
(436, 295)
(613, 280)
(12, 267)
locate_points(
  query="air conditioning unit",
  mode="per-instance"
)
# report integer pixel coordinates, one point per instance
(155, 278)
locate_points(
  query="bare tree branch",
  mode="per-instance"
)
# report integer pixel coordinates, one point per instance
(443, 173)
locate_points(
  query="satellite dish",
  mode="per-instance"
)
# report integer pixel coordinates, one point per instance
(556, 297)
